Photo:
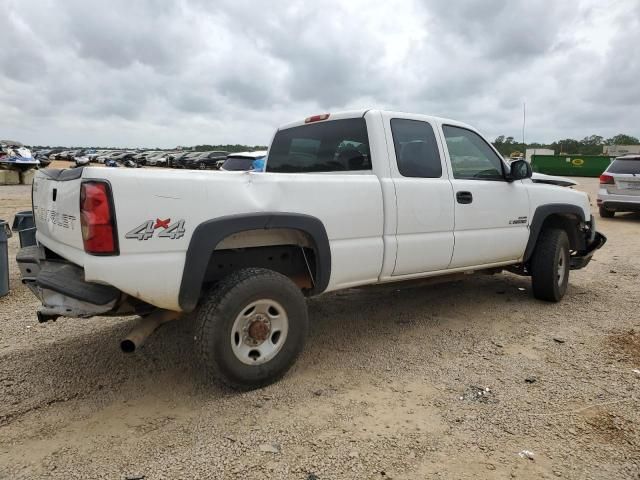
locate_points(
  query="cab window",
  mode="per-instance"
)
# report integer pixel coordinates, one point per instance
(471, 157)
(416, 149)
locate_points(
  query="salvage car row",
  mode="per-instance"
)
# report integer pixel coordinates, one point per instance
(187, 159)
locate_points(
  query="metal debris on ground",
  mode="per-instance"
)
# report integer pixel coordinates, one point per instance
(559, 340)
(526, 454)
(478, 394)
(530, 379)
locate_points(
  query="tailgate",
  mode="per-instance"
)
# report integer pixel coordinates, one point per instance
(626, 185)
(56, 208)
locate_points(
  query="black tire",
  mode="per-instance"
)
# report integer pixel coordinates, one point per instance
(551, 249)
(604, 213)
(218, 313)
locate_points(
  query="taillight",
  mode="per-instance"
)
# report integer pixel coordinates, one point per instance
(316, 118)
(97, 220)
(606, 179)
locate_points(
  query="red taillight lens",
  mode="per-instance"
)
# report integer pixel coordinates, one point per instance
(96, 219)
(606, 179)
(316, 118)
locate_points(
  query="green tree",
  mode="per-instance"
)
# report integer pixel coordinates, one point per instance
(567, 146)
(591, 145)
(622, 139)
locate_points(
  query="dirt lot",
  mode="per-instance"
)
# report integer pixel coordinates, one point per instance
(388, 387)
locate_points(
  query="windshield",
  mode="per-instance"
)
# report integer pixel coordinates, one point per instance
(631, 165)
(337, 145)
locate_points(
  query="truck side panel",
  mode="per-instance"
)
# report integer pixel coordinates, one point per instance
(151, 206)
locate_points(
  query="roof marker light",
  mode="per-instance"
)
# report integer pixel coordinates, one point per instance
(316, 118)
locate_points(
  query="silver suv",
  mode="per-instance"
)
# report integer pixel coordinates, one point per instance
(620, 187)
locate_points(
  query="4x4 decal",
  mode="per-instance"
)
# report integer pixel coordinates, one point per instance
(146, 230)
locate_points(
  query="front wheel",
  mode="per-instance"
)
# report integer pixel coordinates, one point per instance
(251, 328)
(550, 265)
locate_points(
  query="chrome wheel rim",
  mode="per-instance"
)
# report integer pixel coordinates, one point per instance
(259, 332)
(562, 267)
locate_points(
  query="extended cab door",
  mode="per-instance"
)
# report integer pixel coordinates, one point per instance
(424, 196)
(491, 213)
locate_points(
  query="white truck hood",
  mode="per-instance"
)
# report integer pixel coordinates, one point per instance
(553, 180)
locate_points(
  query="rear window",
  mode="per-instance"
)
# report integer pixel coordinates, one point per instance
(238, 163)
(337, 145)
(631, 165)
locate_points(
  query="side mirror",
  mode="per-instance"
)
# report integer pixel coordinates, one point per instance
(519, 169)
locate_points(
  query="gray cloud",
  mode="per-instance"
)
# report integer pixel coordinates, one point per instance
(156, 73)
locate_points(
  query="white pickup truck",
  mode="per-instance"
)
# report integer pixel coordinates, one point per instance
(348, 199)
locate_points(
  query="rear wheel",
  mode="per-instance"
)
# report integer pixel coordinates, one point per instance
(550, 265)
(604, 213)
(251, 328)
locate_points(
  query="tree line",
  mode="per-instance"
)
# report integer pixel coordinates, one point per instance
(591, 145)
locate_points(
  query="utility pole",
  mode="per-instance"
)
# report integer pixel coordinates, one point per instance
(524, 121)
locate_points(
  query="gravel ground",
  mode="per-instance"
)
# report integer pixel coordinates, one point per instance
(448, 381)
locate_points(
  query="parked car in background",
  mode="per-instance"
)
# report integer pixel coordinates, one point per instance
(209, 160)
(242, 160)
(158, 159)
(43, 157)
(81, 161)
(186, 160)
(52, 153)
(102, 156)
(124, 158)
(173, 160)
(620, 187)
(140, 157)
(108, 156)
(59, 155)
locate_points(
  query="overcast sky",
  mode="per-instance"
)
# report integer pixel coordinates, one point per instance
(163, 73)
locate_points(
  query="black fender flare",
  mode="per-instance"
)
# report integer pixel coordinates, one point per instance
(210, 233)
(541, 214)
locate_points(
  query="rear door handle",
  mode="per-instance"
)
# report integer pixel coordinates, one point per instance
(464, 197)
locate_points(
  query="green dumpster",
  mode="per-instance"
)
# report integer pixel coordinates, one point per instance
(570, 165)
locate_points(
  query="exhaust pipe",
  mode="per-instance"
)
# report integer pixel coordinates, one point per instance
(44, 315)
(145, 327)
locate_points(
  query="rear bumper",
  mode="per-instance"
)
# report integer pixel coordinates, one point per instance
(61, 287)
(620, 206)
(623, 203)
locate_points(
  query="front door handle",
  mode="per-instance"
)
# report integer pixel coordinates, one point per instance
(464, 197)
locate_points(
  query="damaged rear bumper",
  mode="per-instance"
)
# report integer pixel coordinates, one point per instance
(61, 287)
